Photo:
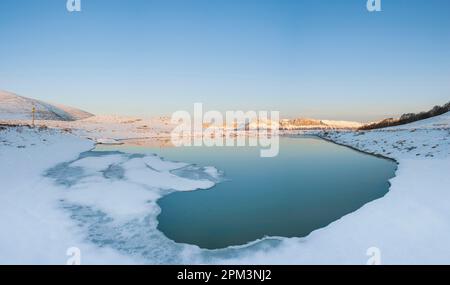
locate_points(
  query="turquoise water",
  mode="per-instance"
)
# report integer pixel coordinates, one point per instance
(310, 184)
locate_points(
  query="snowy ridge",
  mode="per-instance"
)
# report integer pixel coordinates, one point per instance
(342, 124)
(441, 121)
(74, 113)
(15, 107)
(313, 124)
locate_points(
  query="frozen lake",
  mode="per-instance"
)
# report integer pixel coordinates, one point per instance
(309, 185)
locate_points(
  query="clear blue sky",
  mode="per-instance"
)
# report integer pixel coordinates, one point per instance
(316, 58)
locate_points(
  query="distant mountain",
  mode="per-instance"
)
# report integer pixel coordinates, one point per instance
(293, 124)
(15, 107)
(308, 124)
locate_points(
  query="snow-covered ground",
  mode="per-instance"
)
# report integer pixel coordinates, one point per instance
(112, 129)
(33, 229)
(56, 193)
(109, 127)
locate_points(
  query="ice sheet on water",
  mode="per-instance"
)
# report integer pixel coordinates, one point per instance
(139, 238)
(136, 237)
(91, 164)
(199, 173)
(69, 173)
(160, 164)
(114, 172)
(65, 175)
(112, 197)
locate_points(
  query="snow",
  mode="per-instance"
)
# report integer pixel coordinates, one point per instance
(107, 141)
(342, 124)
(15, 107)
(140, 172)
(410, 225)
(34, 230)
(75, 114)
(106, 203)
(314, 124)
(160, 164)
(49, 192)
(213, 172)
(96, 164)
(113, 129)
(442, 121)
(109, 129)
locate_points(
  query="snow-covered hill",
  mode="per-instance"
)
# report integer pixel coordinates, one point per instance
(15, 107)
(313, 124)
(342, 124)
(441, 121)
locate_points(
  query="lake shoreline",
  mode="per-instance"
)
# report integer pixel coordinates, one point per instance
(418, 192)
(357, 149)
(303, 158)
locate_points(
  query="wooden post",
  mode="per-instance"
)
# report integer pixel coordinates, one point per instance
(33, 111)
